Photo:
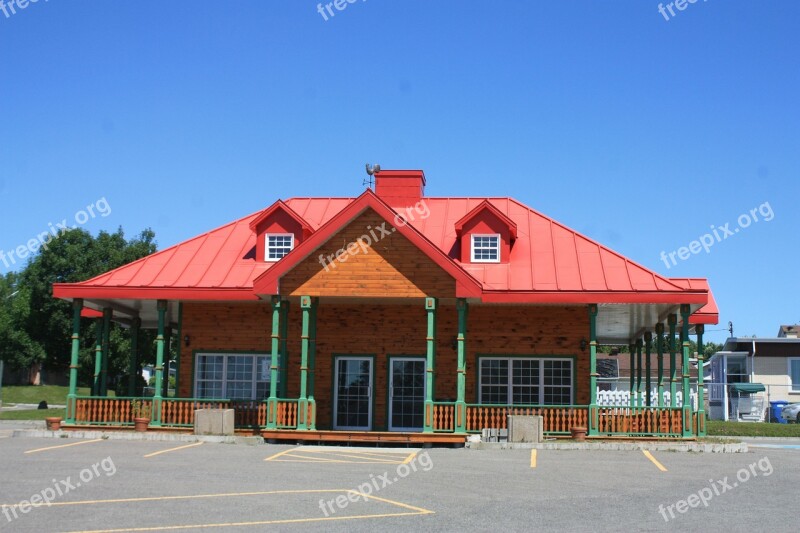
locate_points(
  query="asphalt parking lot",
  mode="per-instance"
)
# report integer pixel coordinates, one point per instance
(102, 485)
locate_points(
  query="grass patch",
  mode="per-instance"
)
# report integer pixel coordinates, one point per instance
(52, 394)
(31, 414)
(751, 429)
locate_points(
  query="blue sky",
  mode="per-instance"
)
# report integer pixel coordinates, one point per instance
(639, 131)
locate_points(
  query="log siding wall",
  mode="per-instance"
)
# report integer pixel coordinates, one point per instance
(389, 330)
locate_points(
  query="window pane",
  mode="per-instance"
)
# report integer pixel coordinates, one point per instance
(494, 381)
(485, 248)
(794, 367)
(525, 378)
(279, 245)
(557, 382)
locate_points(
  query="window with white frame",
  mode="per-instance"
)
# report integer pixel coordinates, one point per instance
(794, 374)
(486, 248)
(232, 376)
(278, 245)
(525, 381)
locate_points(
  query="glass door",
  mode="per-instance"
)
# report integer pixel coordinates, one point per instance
(406, 394)
(353, 393)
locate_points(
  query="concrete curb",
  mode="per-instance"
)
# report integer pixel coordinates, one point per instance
(26, 423)
(697, 447)
(134, 436)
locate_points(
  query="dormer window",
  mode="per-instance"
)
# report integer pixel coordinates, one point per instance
(278, 245)
(486, 248)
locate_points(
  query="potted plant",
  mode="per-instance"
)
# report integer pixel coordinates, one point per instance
(141, 415)
(53, 423)
(578, 433)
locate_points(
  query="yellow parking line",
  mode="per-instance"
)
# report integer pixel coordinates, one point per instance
(173, 449)
(271, 458)
(63, 446)
(409, 458)
(533, 458)
(653, 460)
(413, 511)
(368, 457)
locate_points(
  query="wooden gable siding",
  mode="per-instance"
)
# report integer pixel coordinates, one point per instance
(389, 330)
(392, 266)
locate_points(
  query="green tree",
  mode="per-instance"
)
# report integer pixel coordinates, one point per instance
(35, 328)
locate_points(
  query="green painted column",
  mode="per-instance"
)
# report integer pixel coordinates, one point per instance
(461, 341)
(660, 351)
(594, 415)
(77, 306)
(107, 316)
(648, 384)
(133, 369)
(312, 364)
(632, 350)
(672, 320)
(181, 346)
(167, 359)
(430, 362)
(302, 405)
(639, 373)
(701, 399)
(687, 390)
(283, 366)
(155, 415)
(98, 356)
(275, 355)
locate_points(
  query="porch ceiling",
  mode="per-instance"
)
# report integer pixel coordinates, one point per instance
(621, 323)
(126, 310)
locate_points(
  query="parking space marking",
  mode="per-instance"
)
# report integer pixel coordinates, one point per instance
(533, 458)
(303, 454)
(653, 460)
(774, 446)
(173, 449)
(64, 445)
(411, 510)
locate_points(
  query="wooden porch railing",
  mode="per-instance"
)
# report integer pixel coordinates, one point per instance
(249, 413)
(179, 412)
(103, 411)
(287, 414)
(444, 416)
(640, 421)
(558, 419)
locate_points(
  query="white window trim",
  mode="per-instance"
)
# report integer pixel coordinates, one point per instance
(255, 356)
(541, 376)
(266, 245)
(472, 247)
(789, 374)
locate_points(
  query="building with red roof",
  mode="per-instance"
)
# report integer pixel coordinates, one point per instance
(397, 316)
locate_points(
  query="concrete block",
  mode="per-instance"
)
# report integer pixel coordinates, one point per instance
(213, 422)
(525, 428)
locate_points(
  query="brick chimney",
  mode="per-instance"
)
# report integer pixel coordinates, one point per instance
(400, 188)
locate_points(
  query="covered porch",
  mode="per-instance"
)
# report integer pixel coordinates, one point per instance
(301, 399)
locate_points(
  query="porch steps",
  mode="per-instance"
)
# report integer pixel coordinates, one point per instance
(362, 436)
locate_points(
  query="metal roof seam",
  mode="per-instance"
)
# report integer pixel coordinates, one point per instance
(578, 261)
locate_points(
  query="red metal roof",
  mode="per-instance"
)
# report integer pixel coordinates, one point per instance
(549, 262)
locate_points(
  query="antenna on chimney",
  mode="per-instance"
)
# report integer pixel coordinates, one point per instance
(372, 170)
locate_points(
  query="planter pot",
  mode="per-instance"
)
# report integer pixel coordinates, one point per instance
(140, 424)
(578, 433)
(53, 423)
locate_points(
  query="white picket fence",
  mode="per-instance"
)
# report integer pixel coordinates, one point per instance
(622, 398)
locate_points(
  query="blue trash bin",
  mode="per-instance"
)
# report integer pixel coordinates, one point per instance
(776, 411)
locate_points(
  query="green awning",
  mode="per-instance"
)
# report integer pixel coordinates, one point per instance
(749, 388)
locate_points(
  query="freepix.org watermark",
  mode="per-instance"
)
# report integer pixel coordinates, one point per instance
(10, 7)
(374, 235)
(328, 9)
(718, 234)
(680, 5)
(715, 488)
(100, 207)
(376, 484)
(46, 496)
